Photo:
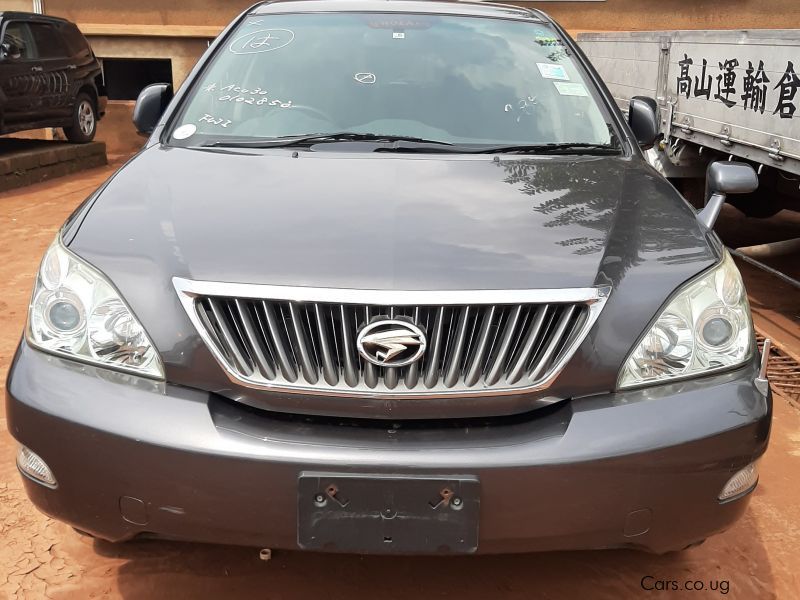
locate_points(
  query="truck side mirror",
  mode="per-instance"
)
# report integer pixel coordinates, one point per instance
(150, 105)
(723, 178)
(644, 121)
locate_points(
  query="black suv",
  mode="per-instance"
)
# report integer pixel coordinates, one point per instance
(49, 77)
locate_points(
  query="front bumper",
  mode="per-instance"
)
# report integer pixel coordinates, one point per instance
(636, 469)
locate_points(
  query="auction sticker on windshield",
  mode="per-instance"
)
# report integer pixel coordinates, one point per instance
(570, 89)
(549, 71)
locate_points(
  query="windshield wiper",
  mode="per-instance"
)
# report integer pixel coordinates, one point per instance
(320, 138)
(419, 144)
(576, 148)
(564, 148)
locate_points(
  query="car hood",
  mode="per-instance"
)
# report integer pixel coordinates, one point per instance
(379, 221)
(388, 221)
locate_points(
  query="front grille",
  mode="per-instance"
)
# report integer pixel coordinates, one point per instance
(311, 345)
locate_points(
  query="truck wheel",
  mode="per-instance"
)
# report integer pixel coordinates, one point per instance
(84, 120)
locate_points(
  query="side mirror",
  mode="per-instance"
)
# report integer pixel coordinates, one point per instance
(150, 105)
(644, 121)
(723, 178)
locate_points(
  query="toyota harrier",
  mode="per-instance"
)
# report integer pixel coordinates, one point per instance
(392, 277)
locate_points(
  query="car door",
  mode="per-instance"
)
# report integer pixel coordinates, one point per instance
(19, 77)
(55, 65)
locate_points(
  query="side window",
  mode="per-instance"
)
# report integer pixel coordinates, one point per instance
(48, 41)
(18, 42)
(76, 43)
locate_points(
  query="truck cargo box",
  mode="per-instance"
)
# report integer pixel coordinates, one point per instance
(733, 91)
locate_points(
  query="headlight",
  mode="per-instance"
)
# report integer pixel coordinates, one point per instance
(75, 312)
(705, 328)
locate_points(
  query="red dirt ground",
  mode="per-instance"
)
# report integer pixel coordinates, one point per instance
(42, 558)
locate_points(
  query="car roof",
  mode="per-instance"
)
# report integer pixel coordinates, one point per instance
(477, 9)
(28, 16)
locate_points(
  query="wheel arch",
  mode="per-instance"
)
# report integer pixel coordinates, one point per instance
(89, 89)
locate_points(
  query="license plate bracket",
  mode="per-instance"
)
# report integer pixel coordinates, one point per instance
(388, 514)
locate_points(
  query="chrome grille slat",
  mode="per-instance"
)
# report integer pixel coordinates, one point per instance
(349, 360)
(275, 332)
(555, 339)
(473, 325)
(574, 331)
(262, 332)
(498, 364)
(453, 368)
(434, 349)
(288, 343)
(370, 370)
(210, 327)
(329, 369)
(474, 371)
(546, 329)
(531, 338)
(307, 363)
(254, 341)
(338, 352)
(519, 340)
(312, 335)
(496, 329)
(229, 337)
(412, 370)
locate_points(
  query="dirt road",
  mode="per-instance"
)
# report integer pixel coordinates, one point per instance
(758, 558)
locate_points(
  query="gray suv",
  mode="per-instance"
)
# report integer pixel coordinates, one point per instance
(392, 277)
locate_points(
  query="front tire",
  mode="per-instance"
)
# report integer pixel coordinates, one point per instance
(84, 120)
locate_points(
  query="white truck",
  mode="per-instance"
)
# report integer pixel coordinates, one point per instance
(723, 95)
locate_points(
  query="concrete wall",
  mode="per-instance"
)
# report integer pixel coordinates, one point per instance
(150, 12)
(116, 129)
(645, 15)
(23, 5)
(183, 52)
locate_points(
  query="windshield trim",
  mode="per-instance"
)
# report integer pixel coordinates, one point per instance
(474, 8)
(597, 90)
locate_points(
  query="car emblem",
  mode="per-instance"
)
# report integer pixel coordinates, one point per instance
(391, 343)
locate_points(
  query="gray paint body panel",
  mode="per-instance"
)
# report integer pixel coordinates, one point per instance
(209, 469)
(391, 222)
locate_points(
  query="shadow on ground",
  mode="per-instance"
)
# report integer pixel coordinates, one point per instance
(155, 569)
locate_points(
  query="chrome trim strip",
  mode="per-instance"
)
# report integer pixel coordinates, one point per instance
(388, 297)
(188, 290)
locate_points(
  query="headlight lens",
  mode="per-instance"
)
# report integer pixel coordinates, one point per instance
(706, 327)
(76, 312)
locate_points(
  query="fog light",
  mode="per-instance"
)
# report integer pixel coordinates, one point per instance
(742, 481)
(32, 465)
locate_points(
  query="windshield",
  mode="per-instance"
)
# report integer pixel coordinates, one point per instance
(446, 79)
